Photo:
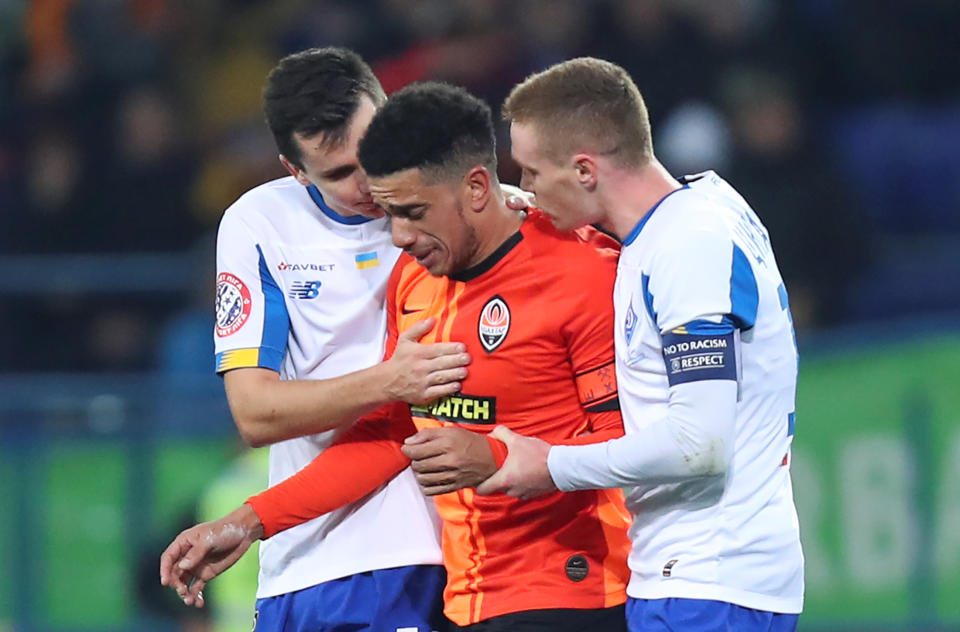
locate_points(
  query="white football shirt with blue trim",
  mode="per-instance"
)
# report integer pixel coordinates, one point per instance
(300, 290)
(701, 263)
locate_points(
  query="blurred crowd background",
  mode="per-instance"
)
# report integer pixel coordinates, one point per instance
(128, 126)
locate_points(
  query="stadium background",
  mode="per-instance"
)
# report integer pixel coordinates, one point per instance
(127, 126)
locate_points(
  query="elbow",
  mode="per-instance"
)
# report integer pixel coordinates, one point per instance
(709, 459)
(252, 432)
(255, 441)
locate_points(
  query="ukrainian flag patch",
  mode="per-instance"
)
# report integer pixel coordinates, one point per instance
(367, 260)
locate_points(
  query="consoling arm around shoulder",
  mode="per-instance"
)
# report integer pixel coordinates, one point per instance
(364, 458)
(694, 440)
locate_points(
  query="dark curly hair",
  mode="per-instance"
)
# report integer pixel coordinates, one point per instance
(439, 128)
(316, 91)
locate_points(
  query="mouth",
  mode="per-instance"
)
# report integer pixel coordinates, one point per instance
(426, 258)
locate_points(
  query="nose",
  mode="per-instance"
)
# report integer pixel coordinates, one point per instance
(402, 233)
(362, 185)
(525, 184)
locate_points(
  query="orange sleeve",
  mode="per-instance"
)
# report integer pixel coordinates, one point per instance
(363, 458)
(498, 449)
(604, 426)
(589, 336)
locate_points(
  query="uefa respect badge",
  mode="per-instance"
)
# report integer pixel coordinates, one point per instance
(233, 304)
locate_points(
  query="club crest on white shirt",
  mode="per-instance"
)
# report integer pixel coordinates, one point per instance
(233, 304)
(630, 323)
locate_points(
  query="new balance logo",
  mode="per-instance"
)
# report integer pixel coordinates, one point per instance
(304, 289)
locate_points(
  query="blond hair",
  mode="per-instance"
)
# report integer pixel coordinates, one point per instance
(584, 104)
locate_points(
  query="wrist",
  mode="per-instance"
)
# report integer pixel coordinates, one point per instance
(378, 385)
(248, 520)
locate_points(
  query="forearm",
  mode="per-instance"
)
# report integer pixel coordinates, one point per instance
(695, 440)
(365, 458)
(604, 427)
(267, 409)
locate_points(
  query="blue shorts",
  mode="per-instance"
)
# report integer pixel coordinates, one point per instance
(405, 599)
(702, 615)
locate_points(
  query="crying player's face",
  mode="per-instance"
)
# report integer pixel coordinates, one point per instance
(427, 220)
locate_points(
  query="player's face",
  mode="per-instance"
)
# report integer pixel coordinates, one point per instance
(336, 170)
(427, 221)
(556, 187)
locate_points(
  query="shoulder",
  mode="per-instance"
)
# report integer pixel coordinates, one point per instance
(585, 247)
(687, 224)
(264, 199)
(406, 271)
(578, 264)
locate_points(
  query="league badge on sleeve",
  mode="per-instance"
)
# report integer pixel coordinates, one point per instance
(494, 323)
(233, 304)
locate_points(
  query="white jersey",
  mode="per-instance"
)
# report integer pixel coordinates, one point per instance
(733, 538)
(300, 290)
(706, 365)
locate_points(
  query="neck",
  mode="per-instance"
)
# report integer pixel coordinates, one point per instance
(629, 195)
(494, 225)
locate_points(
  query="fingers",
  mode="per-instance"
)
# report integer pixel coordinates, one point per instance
(426, 465)
(436, 490)
(194, 593)
(454, 352)
(517, 203)
(172, 559)
(170, 556)
(417, 330)
(450, 359)
(441, 390)
(195, 555)
(444, 481)
(446, 376)
(493, 485)
(504, 434)
(421, 436)
(427, 435)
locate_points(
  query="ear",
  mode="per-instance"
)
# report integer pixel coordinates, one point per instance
(587, 172)
(477, 184)
(295, 171)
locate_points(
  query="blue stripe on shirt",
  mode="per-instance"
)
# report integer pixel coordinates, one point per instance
(276, 321)
(744, 294)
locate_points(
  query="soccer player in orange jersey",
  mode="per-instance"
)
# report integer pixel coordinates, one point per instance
(534, 308)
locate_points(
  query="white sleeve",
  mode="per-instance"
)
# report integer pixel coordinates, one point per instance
(700, 274)
(695, 440)
(699, 291)
(252, 324)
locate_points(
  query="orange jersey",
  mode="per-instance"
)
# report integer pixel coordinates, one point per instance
(537, 319)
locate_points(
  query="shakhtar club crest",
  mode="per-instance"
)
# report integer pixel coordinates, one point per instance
(494, 323)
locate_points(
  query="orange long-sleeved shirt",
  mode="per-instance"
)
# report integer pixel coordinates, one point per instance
(537, 318)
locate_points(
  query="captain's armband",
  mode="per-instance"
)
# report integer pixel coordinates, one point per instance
(597, 388)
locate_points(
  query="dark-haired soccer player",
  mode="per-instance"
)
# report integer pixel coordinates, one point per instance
(533, 306)
(302, 265)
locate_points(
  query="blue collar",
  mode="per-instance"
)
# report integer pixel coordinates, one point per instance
(332, 214)
(629, 239)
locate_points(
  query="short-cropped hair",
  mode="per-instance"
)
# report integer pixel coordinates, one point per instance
(584, 104)
(433, 126)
